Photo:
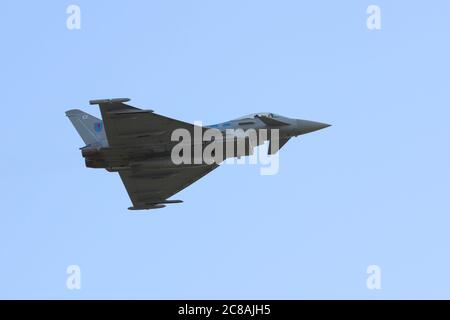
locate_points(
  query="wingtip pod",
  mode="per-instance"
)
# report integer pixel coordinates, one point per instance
(156, 206)
(115, 100)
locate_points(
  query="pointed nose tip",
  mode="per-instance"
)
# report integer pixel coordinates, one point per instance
(305, 126)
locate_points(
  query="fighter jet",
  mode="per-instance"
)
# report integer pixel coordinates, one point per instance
(138, 144)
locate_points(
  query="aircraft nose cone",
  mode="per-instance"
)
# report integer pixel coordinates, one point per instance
(305, 126)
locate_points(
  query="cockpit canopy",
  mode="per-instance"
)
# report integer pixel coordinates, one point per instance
(260, 114)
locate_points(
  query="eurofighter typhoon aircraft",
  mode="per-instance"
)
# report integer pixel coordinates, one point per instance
(138, 144)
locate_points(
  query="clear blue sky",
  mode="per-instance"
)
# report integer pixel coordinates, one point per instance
(371, 189)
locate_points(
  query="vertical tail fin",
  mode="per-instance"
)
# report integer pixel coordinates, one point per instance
(88, 127)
